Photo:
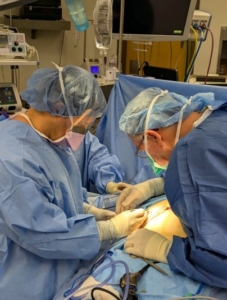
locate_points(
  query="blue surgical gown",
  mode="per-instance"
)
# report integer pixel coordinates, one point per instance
(44, 235)
(196, 187)
(97, 165)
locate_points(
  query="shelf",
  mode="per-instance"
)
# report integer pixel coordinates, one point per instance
(18, 62)
(34, 25)
(39, 24)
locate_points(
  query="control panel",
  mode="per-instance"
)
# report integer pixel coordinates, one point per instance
(13, 45)
(93, 65)
(9, 98)
(200, 21)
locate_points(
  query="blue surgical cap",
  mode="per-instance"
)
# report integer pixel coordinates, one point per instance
(165, 112)
(82, 92)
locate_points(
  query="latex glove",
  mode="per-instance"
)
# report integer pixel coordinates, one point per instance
(113, 187)
(132, 197)
(99, 214)
(148, 244)
(122, 225)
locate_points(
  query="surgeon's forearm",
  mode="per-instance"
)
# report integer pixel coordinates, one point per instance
(106, 230)
(104, 175)
(103, 166)
(156, 185)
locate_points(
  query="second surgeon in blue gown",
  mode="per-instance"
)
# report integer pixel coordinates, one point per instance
(188, 137)
(46, 228)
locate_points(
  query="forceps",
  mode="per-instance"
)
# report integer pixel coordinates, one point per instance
(151, 263)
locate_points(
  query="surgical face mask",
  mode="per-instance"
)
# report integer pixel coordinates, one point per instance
(75, 140)
(70, 139)
(155, 166)
(80, 128)
(66, 136)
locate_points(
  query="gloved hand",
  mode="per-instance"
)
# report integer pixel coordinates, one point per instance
(99, 214)
(122, 225)
(148, 244)
(113, 187)
(132, 197)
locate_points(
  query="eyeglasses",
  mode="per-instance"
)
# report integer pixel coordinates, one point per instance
(82, 129)
(84, 126)
(141, 153)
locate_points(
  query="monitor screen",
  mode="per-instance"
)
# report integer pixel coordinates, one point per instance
(7, 96)
(154, 20)
(94, 69)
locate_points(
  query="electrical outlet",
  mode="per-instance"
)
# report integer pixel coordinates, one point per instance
(201, 20)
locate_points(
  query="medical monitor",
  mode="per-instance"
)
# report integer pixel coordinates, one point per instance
(93, 65)
(9, 98)
(154, 20)
(161, 73)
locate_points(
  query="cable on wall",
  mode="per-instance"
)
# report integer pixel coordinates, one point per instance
(211, 54)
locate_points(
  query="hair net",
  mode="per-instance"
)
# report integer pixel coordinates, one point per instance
(165, 111)
(82, 92)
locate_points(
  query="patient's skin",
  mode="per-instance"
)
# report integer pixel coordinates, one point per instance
(166, 223)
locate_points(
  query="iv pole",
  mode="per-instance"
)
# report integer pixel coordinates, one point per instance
(121, 34)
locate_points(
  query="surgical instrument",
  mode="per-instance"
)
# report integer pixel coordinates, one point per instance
(133, 278)
(151, 263)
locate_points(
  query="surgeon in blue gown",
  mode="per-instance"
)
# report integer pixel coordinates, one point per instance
(47, 231)
(188, 138)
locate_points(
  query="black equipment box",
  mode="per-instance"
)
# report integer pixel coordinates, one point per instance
(160, 73)
(48, 3)
(41, 13)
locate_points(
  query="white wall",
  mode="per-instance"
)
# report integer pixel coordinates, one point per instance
(48, 43)
(218, 10)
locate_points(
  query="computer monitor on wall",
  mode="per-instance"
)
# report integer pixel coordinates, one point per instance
(154, 20)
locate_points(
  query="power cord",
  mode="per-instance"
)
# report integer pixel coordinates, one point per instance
(195, 56)
(103, 290)
(195, 47)
(147, 65)
(211, 53)
(31, 52)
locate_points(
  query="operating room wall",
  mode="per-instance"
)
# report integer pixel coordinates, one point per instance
(50, 47)
(218, 11)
